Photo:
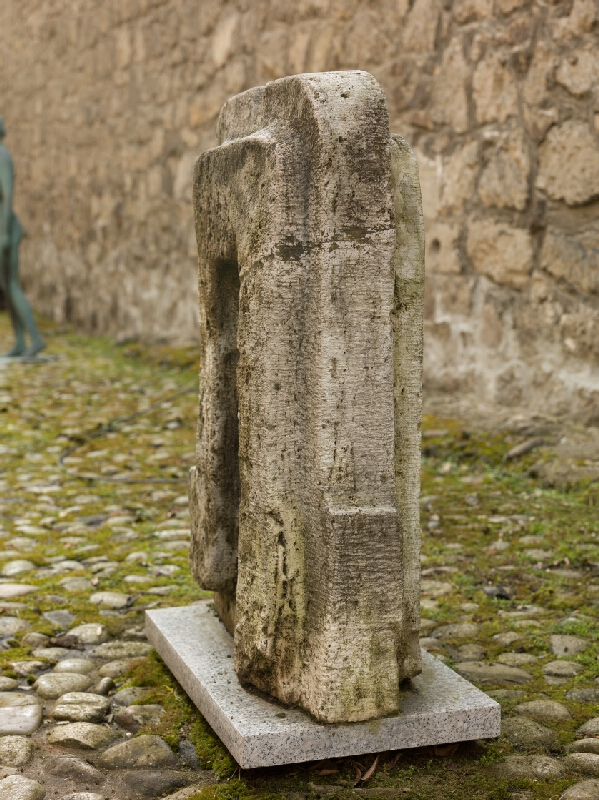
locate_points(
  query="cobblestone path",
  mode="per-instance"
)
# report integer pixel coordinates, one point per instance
(94, 451)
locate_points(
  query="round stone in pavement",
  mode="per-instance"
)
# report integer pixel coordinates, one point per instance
(532, 767)
(471, 652)
(144, 751)
(81, 707)
(53, 654)
(149, 784)
(132, 718)
(110, 599)
(112, 669)
(590, 728)
(83, 796)
(90, 633)
(76, 584)
(115, 650)
(525, 734)
(54, 685)
(482, 672)
(507, 638)
(15, 751)
(75, 769)
(516, 659)
(584, 746)
(78, 665)
(583, 762)
(8, 590)
(16, 567)
(61, 618)
(11, 625)
(457, 630)
(17, 787)
(126, 697)
(590, 696)
(562, 669)
(544, 710)
(19, 713)
(86, 735)
(566, 645)
(34, 639)
(585, 790)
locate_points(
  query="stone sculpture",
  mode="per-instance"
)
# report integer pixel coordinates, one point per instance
(11, 234)
(304, 501)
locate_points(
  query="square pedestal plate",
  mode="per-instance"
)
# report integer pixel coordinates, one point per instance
(440, 707)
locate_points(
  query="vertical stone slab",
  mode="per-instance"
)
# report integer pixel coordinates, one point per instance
(305, 497)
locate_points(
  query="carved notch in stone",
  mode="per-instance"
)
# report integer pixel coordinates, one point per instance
(304, 501)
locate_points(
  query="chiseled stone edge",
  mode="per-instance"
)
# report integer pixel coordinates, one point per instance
(442, 708)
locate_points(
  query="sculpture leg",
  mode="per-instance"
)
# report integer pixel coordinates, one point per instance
(21, 313)
(19, 331)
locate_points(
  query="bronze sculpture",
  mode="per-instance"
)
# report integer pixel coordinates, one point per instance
(11, 234)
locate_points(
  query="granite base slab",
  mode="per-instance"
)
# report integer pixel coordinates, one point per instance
(440, 706)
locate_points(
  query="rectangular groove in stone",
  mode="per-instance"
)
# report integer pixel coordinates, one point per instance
(442, 708)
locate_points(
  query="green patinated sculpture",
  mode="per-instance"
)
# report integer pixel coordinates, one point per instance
(11, 234)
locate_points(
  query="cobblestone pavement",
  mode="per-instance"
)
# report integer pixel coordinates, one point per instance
(94, 450)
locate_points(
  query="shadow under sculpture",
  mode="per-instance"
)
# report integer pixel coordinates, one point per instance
(11, 234)
(304, 500)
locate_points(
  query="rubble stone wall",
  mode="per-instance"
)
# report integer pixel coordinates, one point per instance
(108, 103)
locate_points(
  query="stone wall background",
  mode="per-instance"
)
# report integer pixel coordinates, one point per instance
(108, 103)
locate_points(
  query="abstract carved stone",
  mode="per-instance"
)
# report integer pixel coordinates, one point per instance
(304, 500)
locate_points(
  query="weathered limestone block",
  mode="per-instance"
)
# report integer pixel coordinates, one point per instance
(304, 500)
(573, 258)
(451, 81)
(579, 73)
(494, 90)
(504, 181)
(569, 163)
(501, 253)
(459, 179)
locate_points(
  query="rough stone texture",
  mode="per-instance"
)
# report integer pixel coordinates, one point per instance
(525, 734)
(584, 790)
(82, 666)
(147, 784)
(90, 633)
(566, 645)
(532, 767)
(132, 718)
(584, 746)
(569, 163)
(86, 735)
(116, 650)
(588, 763)
(19, 713)
(502, 253)
(562, 669)
(15, 751)
(17, 787)
(297, 482)
(144, 751)
(590, 728)
(483, 672)
(54, 685)
(118, 254)
(81, 707)
(76, 769)
(544, 710)
(441, 707)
